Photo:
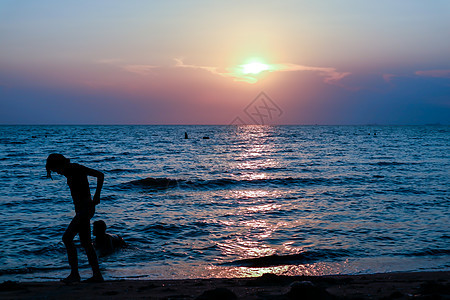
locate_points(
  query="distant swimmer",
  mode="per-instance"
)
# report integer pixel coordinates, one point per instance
(77, 179)
(106, 243)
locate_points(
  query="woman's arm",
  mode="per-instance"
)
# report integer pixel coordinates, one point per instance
(100, 178)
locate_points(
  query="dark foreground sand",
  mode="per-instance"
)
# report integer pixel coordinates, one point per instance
(423, 285)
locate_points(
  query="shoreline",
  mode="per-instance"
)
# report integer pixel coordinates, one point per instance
(404, 285)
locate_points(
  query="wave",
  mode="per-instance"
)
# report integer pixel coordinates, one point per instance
(429, 252)
(151, 183)
(167, 183)
(11, 142)
(46, 250)
(316, 255)
(403, 190)
(118, 170)
(392, 163)
(28, 270)
(166, 231)
(106, 159)
(290, 259)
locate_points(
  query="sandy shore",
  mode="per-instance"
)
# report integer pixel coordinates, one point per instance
(421, 285)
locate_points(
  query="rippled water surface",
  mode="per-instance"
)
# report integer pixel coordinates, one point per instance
(248, 200)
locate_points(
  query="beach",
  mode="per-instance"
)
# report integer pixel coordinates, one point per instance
(416, 285)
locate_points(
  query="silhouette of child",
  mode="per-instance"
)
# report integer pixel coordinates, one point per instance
(106, 243)
(84, 210)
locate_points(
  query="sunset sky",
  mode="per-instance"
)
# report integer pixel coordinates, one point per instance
(204, 62)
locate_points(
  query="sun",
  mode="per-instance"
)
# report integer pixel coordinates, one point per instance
(251, 69)
(254, 68)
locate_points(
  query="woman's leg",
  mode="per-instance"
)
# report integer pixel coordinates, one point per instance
(68, 237)
(85, 239)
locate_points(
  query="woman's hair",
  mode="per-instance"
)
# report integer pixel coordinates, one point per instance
(55, 160)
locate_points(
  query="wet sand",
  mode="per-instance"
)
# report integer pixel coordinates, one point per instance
(420, 285)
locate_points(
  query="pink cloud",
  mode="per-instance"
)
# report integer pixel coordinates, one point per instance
(434, 73)
(388, 77)
(214, 70)
(140, 69)
(330, 75)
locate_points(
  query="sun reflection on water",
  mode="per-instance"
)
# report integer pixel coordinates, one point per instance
(256, 152)
(314, 269)
(255, 233)
(250, 194)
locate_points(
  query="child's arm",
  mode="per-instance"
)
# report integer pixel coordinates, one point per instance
(100, 178)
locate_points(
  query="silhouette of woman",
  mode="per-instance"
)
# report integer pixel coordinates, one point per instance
(84, 210)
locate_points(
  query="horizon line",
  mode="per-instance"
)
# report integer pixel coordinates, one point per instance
(236, 125)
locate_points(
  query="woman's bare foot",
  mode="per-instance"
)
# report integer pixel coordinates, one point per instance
(95, 278)
(72, 278)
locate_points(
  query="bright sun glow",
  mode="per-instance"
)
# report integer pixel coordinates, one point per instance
(254, 68)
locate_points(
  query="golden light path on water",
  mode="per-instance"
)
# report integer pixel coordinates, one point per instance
(257, 155)
(315, 269)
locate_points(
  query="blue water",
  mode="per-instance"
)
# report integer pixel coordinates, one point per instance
(323, 199)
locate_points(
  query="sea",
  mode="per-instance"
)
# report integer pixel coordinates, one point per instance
(231, 201)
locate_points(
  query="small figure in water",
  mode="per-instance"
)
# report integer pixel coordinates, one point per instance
(106, 243)
(84, 210)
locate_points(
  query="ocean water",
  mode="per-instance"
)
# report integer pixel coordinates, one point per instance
(295, 200)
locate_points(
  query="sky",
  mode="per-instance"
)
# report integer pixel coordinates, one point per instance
(225, 62)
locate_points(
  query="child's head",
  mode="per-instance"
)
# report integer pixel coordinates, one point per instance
(56, 162)
(99, 228)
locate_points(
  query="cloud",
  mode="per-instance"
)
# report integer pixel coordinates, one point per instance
(213, 70)
(331, 75)
(180, 64)
(388, 77)
(434, 73)
(139, 69)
